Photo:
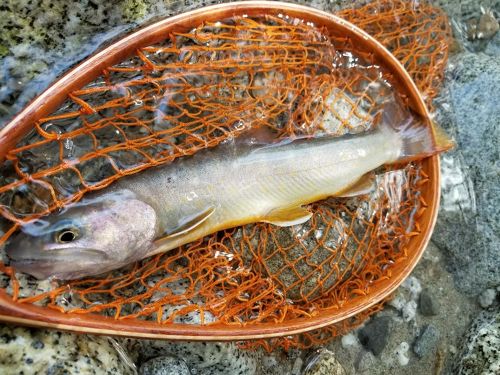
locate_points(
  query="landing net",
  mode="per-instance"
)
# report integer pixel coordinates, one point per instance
(211, 84)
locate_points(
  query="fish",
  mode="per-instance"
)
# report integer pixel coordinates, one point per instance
(226, 186)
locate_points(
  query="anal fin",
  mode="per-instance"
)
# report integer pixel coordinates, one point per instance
(288, 216)
(361, 187)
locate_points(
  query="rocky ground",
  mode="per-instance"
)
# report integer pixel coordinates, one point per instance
(445, 318)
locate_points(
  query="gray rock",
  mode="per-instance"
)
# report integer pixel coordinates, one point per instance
(487, 298)
(375, 334)
(35, 351)
(468, 224)
(427, 304)
(165, 365)
(493, 47)
(427, 342)
(366, 363)
(480, 352)
(204, 358)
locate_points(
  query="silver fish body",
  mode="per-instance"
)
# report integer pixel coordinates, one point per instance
(165, 207)
(242, 185)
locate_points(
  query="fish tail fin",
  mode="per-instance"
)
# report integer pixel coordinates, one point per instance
(418, 138)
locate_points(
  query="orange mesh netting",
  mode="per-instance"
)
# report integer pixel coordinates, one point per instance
(195, 90)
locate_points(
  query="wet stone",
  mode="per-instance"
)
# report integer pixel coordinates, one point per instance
(375, 334)
(366, 362)
(487, 298)
(39, 351)
(165, 365)
(204, 358)
(480, 351)
(325, 363)
(428, 304)
(468, 227)
(427, 342)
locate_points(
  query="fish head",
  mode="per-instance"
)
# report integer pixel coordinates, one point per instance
(87, 238)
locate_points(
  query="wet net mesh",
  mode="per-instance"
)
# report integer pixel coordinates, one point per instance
(215, 83)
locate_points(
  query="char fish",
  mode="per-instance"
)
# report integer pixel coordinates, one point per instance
(227, 186)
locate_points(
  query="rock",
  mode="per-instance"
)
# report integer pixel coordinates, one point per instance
(204, 358)
(366, 363)
(324, 363)
(485, 27)
(428, 305)
(487, 297)
(36, 351)
(398, 302)
(480, 352)
(350, 340)
(493, 47)
(427, 341)
(165, 365)
(401, 353)
(412, 284)
(409, 311)
(375, 334)
(297, 366)
(468, 227)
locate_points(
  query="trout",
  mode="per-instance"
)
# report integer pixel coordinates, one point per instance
(227, 186)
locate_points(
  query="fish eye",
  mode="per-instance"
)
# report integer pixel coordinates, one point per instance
(66, 235)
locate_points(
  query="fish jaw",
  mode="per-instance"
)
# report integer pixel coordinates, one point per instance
(64, 268)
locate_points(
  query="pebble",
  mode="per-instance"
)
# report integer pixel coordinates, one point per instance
(483, 28)
(398, 302)
(366, 363)
(480, 351)
(428, 305)
(165, 365)
(413, 285)
(324, 363)
(427, 341)
(409, 311)
(349, 340)
(487, 297)
(401, 353)
(297, 366)
(375, 334)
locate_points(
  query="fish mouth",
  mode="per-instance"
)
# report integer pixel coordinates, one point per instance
(60, 264)
(61, 255)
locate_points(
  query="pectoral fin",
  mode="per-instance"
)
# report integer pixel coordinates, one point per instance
(189, 224)
(363, 186)
(285, 217)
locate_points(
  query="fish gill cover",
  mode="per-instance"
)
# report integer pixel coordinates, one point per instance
(213, 84)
